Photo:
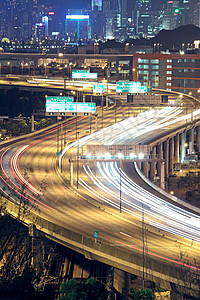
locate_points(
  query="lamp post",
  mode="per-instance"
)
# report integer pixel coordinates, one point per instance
(77, 163)
(102, 110)
(120, 188)
(45, 69)
(22, 65)
(10, 67)
(120, 155)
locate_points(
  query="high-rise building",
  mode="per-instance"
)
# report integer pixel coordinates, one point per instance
(17, 19)
(77, 26)
(143, 18)
(96, 3)
(112, 18)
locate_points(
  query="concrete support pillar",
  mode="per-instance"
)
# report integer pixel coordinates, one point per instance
(160, 151)
(176, 148)
(171, 156)
(71, 173)
(122, 283)
(162, 175)
(198, 138)
(122, 112)
(32, 123)
(146, 169)
(139, 164)
(183, 148)
(160, 156)
(96, 122)
(106, 100)
(84, 98)
(191, 141)
(166, 157)
(153, 164)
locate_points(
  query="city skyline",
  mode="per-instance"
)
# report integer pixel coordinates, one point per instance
(119, 19)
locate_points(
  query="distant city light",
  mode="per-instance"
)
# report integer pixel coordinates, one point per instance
(107, 156)
(132, 155)
(120, 155)
(77, 17)
(141, 155)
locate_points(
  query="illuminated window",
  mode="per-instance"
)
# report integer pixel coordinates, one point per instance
(143, 66)
(143, 61)
(155, 72)
(185, 70)
(154, 61)
(185, 84)
(155, 67)
(192, 83)
(143, 72)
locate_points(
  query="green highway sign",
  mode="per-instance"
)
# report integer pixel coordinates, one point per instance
(80, 71)
(98, 88)
(59, 99)
(72, 107)
(81, 74)
(132, 87)
(96, 234)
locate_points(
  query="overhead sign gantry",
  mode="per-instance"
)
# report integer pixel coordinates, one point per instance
(64, 106)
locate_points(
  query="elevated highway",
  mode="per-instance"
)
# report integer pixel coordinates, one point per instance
(149, 224)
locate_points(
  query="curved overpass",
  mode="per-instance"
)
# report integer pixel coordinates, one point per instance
(30, 174)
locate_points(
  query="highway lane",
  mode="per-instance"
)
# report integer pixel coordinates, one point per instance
(82, 211)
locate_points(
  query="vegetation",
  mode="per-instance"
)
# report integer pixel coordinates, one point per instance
(146, 294)
(12, 128)
(89, 290)
(191, 184)
(15, 102)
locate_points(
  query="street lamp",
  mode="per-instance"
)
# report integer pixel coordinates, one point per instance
(77, 162)
(10, 67)
(27, 64)
(45, 69)
(22, 65)
(120, 183)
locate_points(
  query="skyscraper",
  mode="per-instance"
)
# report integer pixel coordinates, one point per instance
(143, 17)
(17, 19)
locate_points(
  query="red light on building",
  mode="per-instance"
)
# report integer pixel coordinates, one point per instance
(51, 13)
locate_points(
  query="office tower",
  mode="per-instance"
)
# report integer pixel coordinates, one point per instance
(96, 20)
(77, 26)
(143, 18)
(195, 12)
(96, 3)
(17, 19)
(112, 17)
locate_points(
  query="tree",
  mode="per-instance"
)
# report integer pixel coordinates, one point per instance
(73, 290)
(89, 290)
(143, 294)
